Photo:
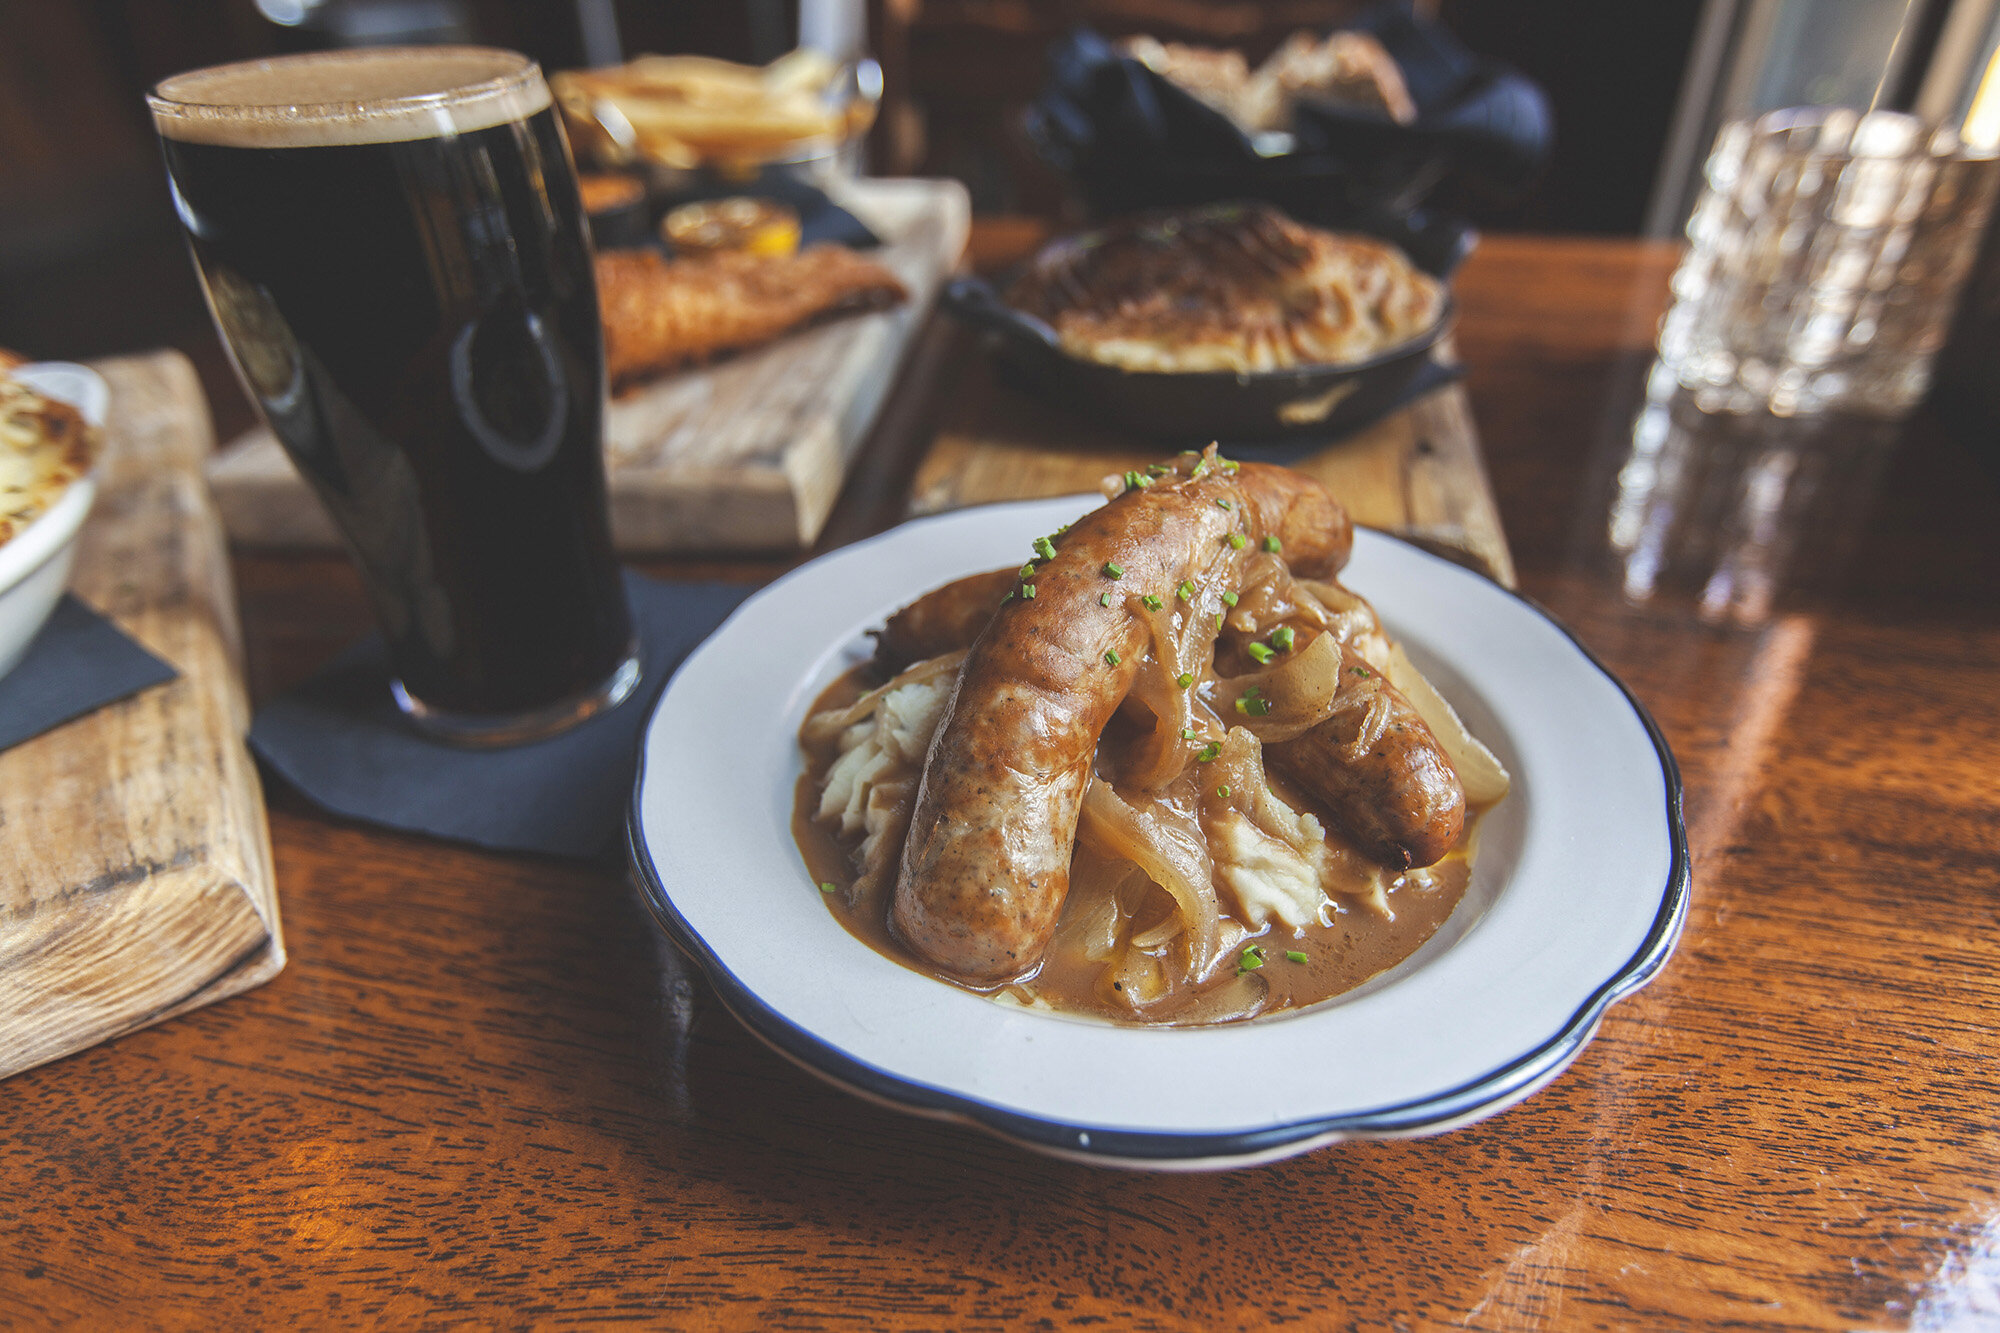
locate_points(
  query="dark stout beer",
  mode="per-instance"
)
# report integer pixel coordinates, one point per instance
(394, 250)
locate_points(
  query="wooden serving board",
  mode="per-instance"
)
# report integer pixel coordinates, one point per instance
(1416, 473)
(136, 879)
(747, 454)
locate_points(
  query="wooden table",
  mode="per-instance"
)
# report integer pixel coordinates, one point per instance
(487, 1091)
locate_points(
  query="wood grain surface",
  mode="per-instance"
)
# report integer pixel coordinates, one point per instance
(1416, 473)
(135, 869)
(487, 1093)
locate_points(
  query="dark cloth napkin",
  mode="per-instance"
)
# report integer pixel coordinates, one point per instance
(77, 664)
(1130, 138)
(340, 741)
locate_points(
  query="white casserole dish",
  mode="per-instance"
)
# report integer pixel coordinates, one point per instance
(35, 564)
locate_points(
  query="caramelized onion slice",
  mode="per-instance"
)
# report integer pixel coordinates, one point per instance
(1137, 981)
(1182, 645)
(1169, 848)
(1092, 918)
(1298, 690)
(1242, 996)
(1351, 620)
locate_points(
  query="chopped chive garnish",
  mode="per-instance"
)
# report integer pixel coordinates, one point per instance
(1296, 956)
(1229, 599)
(1273, 545)
(1158, 469)
(1207, 752)
(1114, 571)
(1028, 591)
(826, 886)
(1187, 733)
(1223, 792)
(1008, 598)
(1253, 958)
(1045, 548)
(1199, 468)
(1282, 638)
(1104, 599)
(1254, 706)
(1135, 481)
(1061, 530)
(1238, 541)
(1151, 602)
(1261, 652)
(1228, 464)
(1111, 656)
(1185, 679)
(1185, 591)
(1359, 671)
(1222, 504)
(1028, 570)
(1218, 622)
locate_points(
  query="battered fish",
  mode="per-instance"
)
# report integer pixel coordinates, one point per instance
(661, 314)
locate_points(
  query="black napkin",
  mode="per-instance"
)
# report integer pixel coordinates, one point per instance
(77, 664)
(1130, 138)
(820, 219)
(340, 741)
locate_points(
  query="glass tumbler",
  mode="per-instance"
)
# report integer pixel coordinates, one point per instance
(1824, 264)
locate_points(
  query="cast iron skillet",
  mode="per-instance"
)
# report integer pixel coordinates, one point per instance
(1197, 406)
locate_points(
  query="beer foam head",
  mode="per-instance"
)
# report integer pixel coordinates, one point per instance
(370, 95)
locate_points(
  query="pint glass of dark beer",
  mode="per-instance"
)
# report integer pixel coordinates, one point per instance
(393, 248)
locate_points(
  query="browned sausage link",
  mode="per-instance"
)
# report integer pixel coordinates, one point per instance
(943, 620)
(986, 866)
(1314, 533)
(1399, 798)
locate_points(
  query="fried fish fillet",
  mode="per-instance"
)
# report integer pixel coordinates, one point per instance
(660, 314)
(1237, 287)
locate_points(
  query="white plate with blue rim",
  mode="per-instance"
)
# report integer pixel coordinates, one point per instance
(1577, 896)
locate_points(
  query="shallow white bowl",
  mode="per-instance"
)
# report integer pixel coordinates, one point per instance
(1576, 899)
(34, 566)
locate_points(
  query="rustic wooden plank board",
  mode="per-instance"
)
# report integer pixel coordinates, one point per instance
(137, 877)
(744, 455)
(1417, 472)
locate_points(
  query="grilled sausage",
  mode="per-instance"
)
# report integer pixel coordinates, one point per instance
(986, 866)
(946, 619)
(1378, 770)
(943, 620)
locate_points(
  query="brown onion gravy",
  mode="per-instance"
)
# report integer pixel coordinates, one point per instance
(1359, 943)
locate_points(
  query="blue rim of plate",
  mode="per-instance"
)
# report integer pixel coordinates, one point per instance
(1487, 1094)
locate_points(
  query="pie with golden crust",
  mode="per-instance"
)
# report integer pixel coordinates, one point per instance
(1239, 288)
(44, 446)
